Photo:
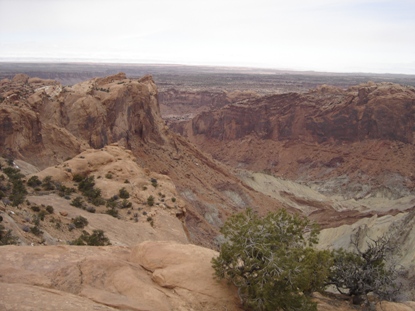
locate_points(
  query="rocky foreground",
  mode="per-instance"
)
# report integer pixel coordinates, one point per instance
(156, 276)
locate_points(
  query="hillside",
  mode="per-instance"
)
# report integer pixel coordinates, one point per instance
(45, 124)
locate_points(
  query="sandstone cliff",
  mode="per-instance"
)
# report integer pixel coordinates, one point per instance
(182, 105)
(356, 142)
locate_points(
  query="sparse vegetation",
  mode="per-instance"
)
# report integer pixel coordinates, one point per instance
(6, 237)
(154, 182)
(64, 191)
(42, 215)
(125, 204)
(36, 230)
(78, 202)
(13, 173)
(150, 200)
(87, 188)
(150, 220)
(80, 222)
(77, 178)
(35, 208)
(47, 183)
(97, 238)
(34, 182)
(18, 192)
(123, 193)
(113, 212)
(372, 270)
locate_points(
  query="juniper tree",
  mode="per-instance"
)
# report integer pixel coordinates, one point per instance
(271, 260)
(370, 268)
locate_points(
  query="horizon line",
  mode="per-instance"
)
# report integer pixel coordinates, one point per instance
(59, 60)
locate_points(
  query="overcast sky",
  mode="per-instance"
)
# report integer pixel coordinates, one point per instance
(323, 35)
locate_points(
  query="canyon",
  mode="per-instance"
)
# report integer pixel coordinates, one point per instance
(341, 156)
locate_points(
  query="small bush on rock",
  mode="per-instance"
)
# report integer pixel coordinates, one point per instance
(97, 238)
(80, 222)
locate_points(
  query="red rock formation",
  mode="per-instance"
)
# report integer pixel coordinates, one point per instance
(183, 105)
(47, 123)
(362, 133)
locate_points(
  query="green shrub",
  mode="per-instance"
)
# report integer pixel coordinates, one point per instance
(125, 204)
(80, 222)
(108, 176)
(112, 202)
(87, 187)
(34, 182)
(36, 230)
(77, 178)
(154, 182)
(271, 260)
(47, 183)
(123, 193)
(371, 270)
(78, 202)
(6, 237)
(35, 208)
(64, 191)
(19, 192)
(150, 200)
(86, 184)
(150, 220)
(13, 173)
(49, 209)
(97, 238)
(42, 215)
(113, 212)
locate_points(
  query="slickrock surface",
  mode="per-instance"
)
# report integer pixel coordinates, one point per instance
(157, 276)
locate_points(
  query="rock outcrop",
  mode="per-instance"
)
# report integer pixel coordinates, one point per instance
(340, 140)
(45, 124)
(113, 168)
(155, 276)
(178, 105)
